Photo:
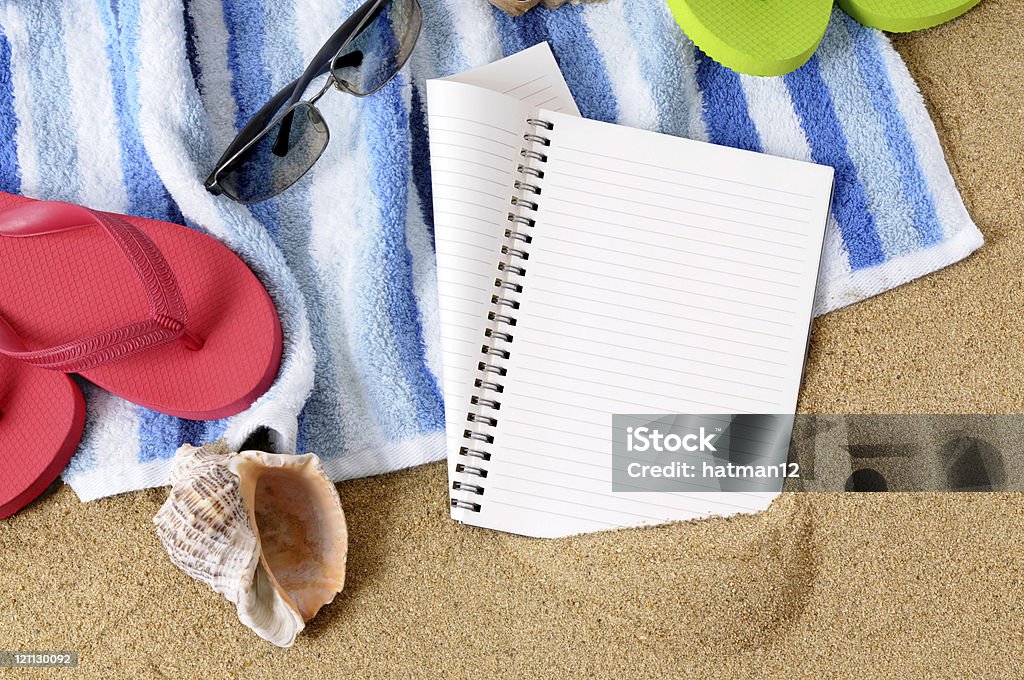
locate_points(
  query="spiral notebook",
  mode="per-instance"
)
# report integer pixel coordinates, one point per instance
(587, 269)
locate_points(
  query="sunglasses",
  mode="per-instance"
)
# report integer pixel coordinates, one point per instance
(288, 135)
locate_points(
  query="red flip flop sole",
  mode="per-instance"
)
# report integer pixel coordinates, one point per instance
(42, 414)
(67, 285)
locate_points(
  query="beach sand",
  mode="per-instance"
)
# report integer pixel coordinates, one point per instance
(852, 585)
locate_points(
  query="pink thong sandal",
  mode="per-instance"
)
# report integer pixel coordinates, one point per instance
(157, 313)
(42, 414)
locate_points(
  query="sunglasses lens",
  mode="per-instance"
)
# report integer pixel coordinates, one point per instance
(380, 50)
(278, 157)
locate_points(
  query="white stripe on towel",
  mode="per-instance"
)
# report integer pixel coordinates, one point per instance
(688, 82)
(110, 445)
(91, 98)
(771, 109)
(342, 204)
(610, 31)
(476, 31)
(315, 21)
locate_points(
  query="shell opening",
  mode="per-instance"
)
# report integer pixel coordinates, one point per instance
(299, 546)
(302, 547)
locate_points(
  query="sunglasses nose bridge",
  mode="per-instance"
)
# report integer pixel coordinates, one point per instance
(331, 80)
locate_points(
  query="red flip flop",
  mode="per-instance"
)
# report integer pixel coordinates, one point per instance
(42, 414)
(157, 313)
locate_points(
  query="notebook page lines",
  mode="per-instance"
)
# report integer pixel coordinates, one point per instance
(614, 278)
(540, 92)
(665, 276)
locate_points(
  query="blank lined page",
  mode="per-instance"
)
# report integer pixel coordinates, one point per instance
(473, 166)
(664, 276)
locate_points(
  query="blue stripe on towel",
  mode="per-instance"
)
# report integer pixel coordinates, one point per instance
(520, 32)
(59, 177)
(391, 258)
(421, 159)
(302, 437)
(444, 56)
(261, 62)
(581, 62)
(828, 147)
(659, 63)
(725, 105)
(10, 173)
(883, 98)
(291, 220)
(159, 434)
(147, 196)
(321, 419)
(193, 431)
(191, 53)
(269, 43)
(440, 39)
(252, 83)
(878, 172)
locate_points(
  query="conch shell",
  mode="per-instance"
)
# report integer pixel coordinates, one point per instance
(264, 530)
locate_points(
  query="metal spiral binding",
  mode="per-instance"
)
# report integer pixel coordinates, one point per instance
(485, 403)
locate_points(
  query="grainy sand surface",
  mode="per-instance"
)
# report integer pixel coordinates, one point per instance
(819, 585)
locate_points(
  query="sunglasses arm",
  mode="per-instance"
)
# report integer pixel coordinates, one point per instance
(318, 66)
(321, 63)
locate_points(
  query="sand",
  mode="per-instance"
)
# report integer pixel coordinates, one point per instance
(865, 585)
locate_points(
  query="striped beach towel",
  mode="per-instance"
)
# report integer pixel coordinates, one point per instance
(124, 105)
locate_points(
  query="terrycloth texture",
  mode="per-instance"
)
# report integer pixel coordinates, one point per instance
(126, 108)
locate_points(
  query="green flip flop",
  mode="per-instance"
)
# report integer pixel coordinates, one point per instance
(759, 37)
(901, 16)
(773, 37)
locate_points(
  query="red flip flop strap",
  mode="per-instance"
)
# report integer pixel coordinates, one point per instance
(169, 315)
